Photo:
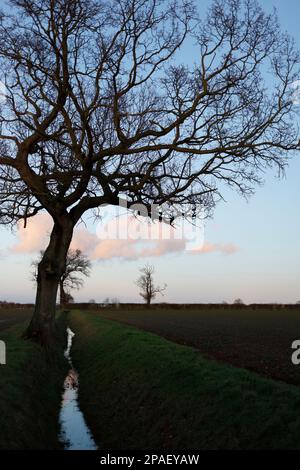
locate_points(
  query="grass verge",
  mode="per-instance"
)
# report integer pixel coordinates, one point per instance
(30, 391)
(141, 391)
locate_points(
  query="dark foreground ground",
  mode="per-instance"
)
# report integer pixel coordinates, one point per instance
(31, 384)
(258, 340)
(141, 391)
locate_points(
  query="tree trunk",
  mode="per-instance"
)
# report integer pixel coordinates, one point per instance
(50, 270)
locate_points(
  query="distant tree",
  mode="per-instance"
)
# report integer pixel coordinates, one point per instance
(77, 264)
(68, 298)
(115, 302)
(238, 302)
(146, 283)
(92, 301)
(298, 302)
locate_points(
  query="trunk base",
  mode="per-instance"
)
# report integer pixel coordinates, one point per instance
(42, 336)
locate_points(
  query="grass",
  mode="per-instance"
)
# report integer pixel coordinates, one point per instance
(141, 391)
(258, 340)
(30, 391)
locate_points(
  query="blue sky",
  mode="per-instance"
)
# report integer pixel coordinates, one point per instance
(265, 268)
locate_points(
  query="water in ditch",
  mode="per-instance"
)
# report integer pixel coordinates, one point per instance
(74, 432)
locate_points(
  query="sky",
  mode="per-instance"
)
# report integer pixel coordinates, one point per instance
(250, 249)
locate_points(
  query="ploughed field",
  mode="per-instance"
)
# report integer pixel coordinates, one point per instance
(258, 340)
(12, 316)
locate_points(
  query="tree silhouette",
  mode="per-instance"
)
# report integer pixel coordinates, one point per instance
(100, 106)
(77, 265)
(146, 283)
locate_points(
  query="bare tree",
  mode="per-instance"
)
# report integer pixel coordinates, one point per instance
(99, 106)
(77, 265)
(146, 283)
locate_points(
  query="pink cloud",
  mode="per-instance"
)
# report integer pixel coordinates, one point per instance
(156, 240)
(135, 249)
(84, 240)
(34, 237)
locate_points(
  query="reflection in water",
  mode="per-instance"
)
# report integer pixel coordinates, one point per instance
(69, 344)
(74, 431)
